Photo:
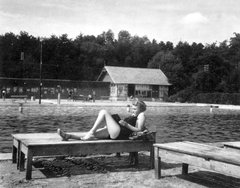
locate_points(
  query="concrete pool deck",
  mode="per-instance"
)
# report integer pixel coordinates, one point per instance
(65, 102)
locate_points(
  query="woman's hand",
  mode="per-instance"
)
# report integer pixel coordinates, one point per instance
(123, 123)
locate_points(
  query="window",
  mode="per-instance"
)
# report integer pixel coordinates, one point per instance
(142, 90)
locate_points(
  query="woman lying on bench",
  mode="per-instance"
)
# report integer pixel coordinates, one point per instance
(115, 128)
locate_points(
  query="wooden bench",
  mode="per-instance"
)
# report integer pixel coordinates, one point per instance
(19, 97)
(201, 155)
(80, 97)
(232, 146)
(105, 98)
(50, 144)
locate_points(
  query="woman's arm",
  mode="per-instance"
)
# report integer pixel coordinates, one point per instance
(139, 123)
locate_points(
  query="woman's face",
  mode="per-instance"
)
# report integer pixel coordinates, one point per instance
(135, 109)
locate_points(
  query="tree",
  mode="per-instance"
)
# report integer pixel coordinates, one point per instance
(208, 80)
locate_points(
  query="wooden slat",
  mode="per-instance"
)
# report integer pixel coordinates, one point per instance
(21, 136)
(235, 145)
(217, 166)
(49, 142)
(34, 139)
(88, 148)
(205, 151)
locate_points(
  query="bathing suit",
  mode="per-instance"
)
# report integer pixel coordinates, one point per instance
(124, 131)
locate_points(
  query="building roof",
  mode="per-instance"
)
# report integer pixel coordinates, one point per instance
(129, 75)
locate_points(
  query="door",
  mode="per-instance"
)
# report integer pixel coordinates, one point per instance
(155, 91)
(131, 89)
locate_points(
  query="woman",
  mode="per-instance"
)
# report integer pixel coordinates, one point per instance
(114, 130)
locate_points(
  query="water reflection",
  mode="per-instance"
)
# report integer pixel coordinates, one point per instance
(171, 123)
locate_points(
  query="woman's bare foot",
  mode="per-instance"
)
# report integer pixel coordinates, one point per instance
(64, 135)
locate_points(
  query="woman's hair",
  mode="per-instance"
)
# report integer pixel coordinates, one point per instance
(142, 106)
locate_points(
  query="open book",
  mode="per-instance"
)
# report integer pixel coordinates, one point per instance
(116, 117)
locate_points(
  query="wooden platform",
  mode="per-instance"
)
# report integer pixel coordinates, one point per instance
(19, 98)
(50, 144)
(80, 97)
(201, 155)
(232, 145)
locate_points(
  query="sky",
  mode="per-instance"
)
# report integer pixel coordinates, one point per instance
(200, 21)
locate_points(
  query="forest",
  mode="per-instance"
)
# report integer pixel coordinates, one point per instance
(191, 68)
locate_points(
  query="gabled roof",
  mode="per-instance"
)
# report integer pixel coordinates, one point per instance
(129, 75)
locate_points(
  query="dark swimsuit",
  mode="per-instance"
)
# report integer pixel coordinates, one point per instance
(124, 131)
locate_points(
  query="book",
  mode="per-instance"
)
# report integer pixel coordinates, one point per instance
(116, 117)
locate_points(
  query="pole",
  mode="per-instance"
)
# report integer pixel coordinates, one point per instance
(40, 79)
(59, 95)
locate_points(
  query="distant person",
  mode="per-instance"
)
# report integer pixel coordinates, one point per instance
(69, 95)
(114, 128)
(89, 97)
(94, 95)
(3, 95)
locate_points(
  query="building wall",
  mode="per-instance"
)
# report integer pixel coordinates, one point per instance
(120, 91)
(50, 88)
(163, 91)
(107, 78)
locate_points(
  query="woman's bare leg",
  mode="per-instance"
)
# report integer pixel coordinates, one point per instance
(112, 126)
(67, 136)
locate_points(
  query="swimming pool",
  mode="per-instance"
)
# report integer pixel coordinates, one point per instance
(171, 123)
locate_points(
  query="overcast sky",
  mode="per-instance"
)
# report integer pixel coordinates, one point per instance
(204, 21)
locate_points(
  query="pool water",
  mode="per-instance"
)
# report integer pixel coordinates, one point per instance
(172, 123)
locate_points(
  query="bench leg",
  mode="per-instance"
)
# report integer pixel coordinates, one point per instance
(18, 154)
(184, 168)
(135, 155)
(133, 158)
(29, 165)
(157, 163)
(152, 158)
(21, 161)
(14, 154)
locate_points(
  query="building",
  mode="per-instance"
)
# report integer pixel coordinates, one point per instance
(51, 88)
(136, 82)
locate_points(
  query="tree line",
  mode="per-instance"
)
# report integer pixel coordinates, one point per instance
(190, 68)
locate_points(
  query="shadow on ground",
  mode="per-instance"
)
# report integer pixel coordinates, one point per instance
(199, 176)
(211, 179)
(72, 165)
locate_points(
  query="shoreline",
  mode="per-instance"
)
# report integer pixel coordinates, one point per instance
(106, 103)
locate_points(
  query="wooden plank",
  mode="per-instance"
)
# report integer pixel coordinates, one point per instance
(152, 157)
(14, 154)
(15, 142)
(21, 161)
(157, 163)
(204, 151)
(29, 165)
(36, 136)
(18, 154)
(185, 168)
(88, 148)
(217, 166)
(54, 142)
(235, 145)
(58, 141)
